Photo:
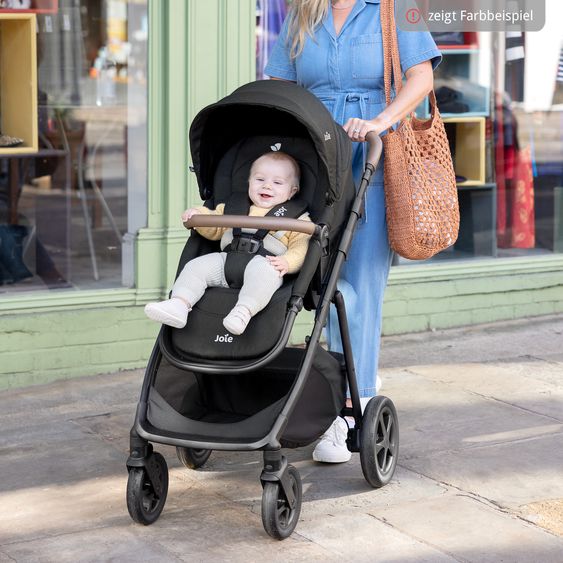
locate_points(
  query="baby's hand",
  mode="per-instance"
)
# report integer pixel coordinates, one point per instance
(279, 263)
(188, 214)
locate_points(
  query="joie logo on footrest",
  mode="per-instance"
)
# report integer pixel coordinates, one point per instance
(226, 338)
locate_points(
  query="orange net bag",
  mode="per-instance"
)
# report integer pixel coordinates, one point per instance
(420, 188)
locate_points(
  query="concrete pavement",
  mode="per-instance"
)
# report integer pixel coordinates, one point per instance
(480, 474)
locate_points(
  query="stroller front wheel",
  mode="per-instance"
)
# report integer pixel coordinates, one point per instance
(192, 458)
(379, 441)
(278, 518)
(146, 497)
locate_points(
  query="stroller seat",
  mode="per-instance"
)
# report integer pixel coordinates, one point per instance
(204, 338)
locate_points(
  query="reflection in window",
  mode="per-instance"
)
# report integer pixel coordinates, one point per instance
(65, 212)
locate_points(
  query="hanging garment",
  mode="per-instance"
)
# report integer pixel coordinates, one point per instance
(522, 202)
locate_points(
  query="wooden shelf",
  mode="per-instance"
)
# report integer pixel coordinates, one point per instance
(18, 81)
(469, 152)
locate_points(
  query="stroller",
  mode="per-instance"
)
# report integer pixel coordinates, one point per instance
(205, 389)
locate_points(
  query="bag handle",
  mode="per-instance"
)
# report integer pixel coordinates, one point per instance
(391, 56)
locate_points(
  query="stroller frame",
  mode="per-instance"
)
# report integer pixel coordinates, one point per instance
(276, 468)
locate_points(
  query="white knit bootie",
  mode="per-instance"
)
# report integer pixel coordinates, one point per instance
(172, 312)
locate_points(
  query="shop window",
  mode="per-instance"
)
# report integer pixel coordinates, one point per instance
(67, 207)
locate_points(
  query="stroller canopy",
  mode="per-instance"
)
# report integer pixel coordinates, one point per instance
(270, 107)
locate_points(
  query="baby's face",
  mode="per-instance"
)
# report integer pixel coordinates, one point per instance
(271, 182)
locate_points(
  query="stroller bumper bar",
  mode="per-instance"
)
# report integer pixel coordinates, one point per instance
(246, 222)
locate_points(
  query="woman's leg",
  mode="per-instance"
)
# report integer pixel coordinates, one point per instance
(362, 283)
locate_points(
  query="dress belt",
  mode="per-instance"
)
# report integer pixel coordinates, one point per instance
(342, 99)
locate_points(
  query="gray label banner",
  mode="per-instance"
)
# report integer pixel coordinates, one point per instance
(470, 15)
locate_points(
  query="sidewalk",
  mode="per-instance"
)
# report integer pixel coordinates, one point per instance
(480, 474)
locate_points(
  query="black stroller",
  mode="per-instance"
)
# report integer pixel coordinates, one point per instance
(207, 390)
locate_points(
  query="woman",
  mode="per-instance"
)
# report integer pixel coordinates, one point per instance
(335, 50)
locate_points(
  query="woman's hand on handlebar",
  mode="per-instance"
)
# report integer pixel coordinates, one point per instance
(357, 128)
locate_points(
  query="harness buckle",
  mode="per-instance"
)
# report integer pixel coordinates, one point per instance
(245, 243)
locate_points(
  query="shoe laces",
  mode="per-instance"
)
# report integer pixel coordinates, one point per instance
(337, 432)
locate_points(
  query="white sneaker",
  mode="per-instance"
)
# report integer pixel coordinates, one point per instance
(172, 312)
(237, 320)
(332, 445)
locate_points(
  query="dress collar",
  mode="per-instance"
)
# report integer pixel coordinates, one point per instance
(328, 23)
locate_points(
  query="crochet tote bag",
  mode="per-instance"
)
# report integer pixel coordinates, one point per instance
(420, 188)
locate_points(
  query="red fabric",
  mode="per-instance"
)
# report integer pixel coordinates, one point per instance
(501, 184)
(522, 202)
(515, 187)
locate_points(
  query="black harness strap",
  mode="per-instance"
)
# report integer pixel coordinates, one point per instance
(245, 246)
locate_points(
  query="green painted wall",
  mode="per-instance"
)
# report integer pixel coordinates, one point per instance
(198, 52)
(55, 345)
(442, 296)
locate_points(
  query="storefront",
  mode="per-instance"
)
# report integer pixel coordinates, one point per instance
(89, 218)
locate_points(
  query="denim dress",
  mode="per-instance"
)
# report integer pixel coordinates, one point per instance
(345, 72)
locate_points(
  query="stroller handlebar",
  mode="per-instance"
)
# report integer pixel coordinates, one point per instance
(375, 148)
(246, 222)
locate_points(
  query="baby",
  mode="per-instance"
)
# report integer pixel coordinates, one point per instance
(273, 180)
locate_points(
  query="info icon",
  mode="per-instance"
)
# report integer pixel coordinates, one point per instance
(413, 15)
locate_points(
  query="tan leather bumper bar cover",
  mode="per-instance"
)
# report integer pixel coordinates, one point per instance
(246, 222)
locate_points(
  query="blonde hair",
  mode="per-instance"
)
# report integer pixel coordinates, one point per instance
(304, 17)
(282, 156)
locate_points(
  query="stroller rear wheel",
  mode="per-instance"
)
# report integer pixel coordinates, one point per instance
(191, 457)
(379, 441)
(146, 496)
(278, 518)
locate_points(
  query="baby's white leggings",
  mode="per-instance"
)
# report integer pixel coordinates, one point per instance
(261, 280)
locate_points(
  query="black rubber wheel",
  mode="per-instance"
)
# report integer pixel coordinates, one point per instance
(145, 500)
(379, 441)
(192, 458)
(278, 518)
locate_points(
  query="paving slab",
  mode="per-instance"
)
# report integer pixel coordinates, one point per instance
(364, 537)
(469, 529)
(534, 386)
(118, 544)
(509, 474)
(525, 339)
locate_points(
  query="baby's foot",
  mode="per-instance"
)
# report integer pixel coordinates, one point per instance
(237, 320)
(172, 312)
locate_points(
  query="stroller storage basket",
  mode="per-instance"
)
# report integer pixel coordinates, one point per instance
(242, 408)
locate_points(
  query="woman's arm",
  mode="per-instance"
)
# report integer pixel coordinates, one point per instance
(420, 80)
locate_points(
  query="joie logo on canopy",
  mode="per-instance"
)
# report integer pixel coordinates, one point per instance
(227, 338)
